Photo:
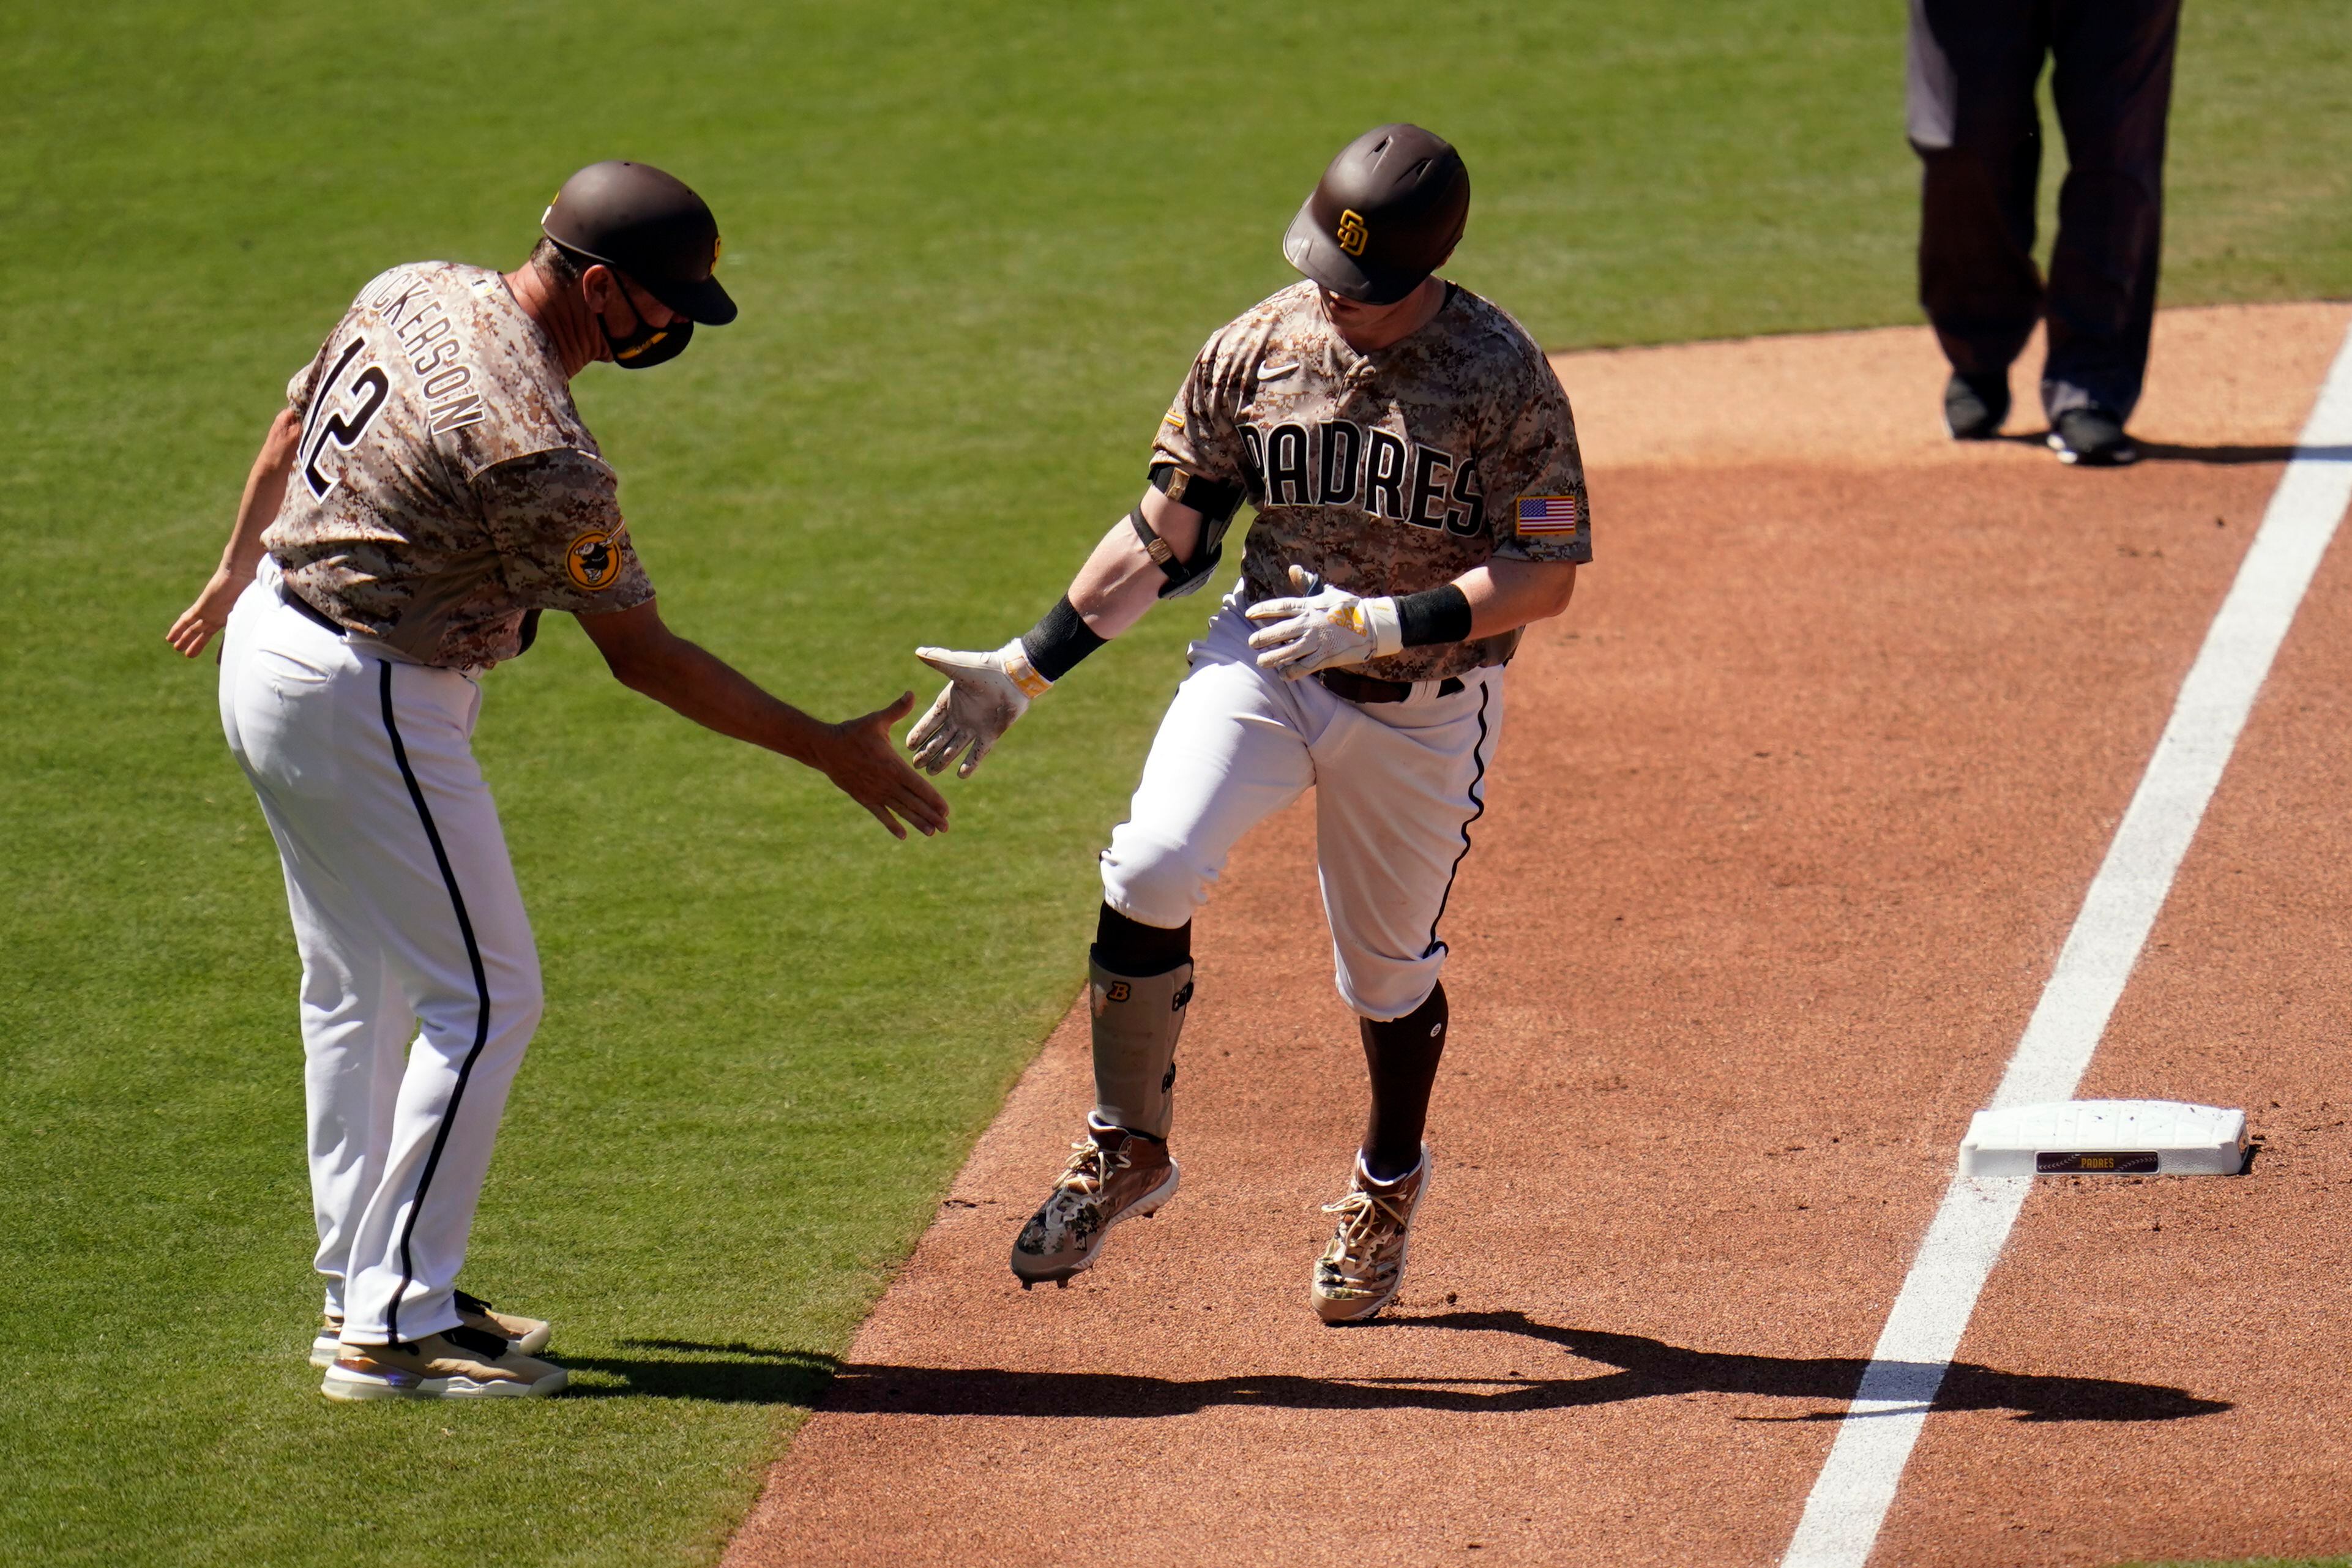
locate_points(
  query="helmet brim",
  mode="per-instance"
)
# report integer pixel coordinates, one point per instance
(701, 300)
(1317, 255)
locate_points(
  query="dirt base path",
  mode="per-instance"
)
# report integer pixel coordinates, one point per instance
(1788, 824)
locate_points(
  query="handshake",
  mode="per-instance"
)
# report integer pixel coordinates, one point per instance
(1320, 627)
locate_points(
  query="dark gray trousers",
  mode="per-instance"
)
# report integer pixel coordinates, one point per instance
(1972, 121)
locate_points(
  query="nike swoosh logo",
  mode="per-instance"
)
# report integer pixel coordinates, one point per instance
(1275, 372)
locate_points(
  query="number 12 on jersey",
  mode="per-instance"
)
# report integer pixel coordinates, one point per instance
(367, 390)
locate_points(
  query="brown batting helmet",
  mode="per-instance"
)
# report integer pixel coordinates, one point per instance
(1386, 214)
(638, 220)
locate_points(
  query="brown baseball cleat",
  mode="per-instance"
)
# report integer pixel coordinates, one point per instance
(1359, 1273)
(1113, 1174)
(529, 1335)
(463, 1364)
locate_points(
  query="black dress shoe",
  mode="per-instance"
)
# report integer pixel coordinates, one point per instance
(1974, 406)
(2092, 437)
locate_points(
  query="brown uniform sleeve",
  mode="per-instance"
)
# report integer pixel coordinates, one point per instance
(300, 386)
(555, 517)
(1535, 478)
(1200, 434)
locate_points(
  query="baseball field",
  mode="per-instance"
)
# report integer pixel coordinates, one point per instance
(1801, 800)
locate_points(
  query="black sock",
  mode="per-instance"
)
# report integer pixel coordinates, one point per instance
(1402, 1055)
(1137, 950)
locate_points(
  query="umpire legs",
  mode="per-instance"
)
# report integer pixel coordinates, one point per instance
(1971, 119)
(2112, 83)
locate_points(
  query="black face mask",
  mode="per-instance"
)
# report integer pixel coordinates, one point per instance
(645, 346)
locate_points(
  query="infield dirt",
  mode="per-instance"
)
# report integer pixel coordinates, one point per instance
(1791, 817)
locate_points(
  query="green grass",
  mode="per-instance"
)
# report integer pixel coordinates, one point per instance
(975, 245)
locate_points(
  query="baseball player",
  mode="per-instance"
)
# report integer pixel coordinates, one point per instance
(428, 491)
(1420, 499)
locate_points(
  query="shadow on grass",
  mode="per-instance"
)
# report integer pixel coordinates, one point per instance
(714, 1374)
(1646, 1369)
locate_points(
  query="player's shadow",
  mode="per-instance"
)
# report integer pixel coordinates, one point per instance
(2238, 457)
(2221, 455)
(1645, 1368)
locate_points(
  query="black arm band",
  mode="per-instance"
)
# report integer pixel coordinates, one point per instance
(1183, 576)
(1061, 638)
(1215, 502)
(1439, 615)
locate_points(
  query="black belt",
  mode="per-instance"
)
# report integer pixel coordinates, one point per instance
(303, 607)
(1365, 689)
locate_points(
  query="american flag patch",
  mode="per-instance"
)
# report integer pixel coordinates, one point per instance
(1550, 514)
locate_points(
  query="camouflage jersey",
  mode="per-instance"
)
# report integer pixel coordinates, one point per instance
(1388, 472)
(445, 489)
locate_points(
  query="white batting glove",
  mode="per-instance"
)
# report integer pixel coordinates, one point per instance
(1322, 628)
(985, 693)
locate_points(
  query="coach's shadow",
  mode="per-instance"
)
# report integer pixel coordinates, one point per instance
(1645, 1369)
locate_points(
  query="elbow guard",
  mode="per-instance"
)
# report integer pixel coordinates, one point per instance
(1215, 502)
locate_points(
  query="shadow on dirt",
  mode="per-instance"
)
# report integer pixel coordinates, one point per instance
(2236, 457)
(1645, 1369)
(2218, 457)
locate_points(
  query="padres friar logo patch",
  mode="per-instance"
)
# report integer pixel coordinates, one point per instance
(593, 560)
(1352, 233)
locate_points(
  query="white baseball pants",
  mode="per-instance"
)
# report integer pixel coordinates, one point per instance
(407, 918)
(1397, 786)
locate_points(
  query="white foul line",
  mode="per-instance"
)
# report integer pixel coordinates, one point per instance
(1857, 1482)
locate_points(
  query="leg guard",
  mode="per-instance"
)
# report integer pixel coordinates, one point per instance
(1137, 1022)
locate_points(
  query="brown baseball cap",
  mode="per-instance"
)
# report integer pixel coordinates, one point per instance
(1386, 214)
(636, 219)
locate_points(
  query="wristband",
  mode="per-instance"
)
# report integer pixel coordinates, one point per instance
(1057, 642)
(1439, 615)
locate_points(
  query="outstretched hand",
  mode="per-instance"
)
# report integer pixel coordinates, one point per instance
(864, 764)
(980, 702)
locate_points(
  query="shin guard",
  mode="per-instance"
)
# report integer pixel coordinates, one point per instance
(1136, 1024)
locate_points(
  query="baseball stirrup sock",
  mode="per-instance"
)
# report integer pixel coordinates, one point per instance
(1402, 1055)
(1137, 1022)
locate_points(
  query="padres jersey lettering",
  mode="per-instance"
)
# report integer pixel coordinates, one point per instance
(1340, 463)
(1374, 471)
(444, 487)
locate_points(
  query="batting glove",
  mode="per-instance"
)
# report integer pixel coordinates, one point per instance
(1321, 628)
(985, 693)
